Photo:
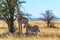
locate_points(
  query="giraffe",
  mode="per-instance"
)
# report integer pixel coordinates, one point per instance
(21, 20)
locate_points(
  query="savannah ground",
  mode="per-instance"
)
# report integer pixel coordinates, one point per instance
(45, 32)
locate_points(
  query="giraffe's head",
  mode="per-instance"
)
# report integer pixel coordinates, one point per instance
(19, 15)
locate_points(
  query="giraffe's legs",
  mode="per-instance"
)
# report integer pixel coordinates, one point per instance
(21, 28)
(26, 23)
(26, 31)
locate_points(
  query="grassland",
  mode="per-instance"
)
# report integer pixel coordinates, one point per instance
(45, 32)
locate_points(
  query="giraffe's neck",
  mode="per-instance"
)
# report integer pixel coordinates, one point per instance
(18, 10)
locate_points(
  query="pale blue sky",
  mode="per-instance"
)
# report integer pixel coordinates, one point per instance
(35, 7)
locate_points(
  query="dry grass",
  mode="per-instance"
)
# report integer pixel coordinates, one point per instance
(45, 33)
(33, 38)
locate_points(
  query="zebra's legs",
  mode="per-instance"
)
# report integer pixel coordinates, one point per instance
(36, 34)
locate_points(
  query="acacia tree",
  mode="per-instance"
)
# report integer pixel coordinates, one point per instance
(7, 11)
(48, 17)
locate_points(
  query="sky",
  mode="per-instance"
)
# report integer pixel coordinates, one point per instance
(35, 7)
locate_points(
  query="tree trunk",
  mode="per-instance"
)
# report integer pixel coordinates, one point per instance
(11, 20)
(48, 23)
(10, 26)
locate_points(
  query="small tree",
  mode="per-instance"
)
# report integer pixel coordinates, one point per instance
(48, 17)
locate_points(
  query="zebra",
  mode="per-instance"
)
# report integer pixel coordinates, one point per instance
(33, 29)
